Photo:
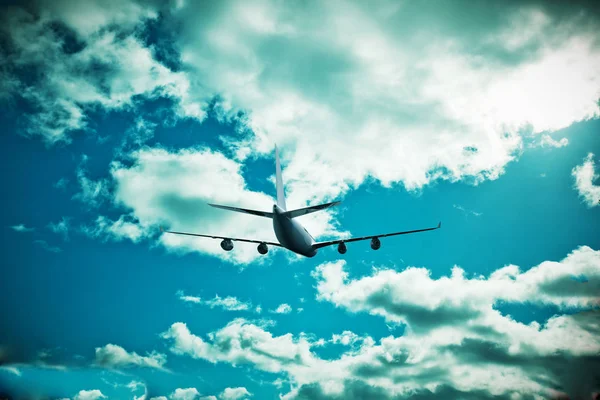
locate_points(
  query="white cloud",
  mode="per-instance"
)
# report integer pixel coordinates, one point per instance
(118, 230)
(21, 228)
(547, 141)
(111, 67)
(134, 385)
(413, 297)
(162, 188)
(372, 100)
(229, 303)
(585, 175)
(452, 330)
(113, 356)
(282, 309)
(89, 395)
(185, 394)
(61, 228)
(235, 393)
(325, 83)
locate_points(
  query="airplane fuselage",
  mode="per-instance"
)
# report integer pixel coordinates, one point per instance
(291, 234)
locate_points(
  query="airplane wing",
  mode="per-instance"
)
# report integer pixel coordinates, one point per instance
(222, 237)
(319, 245)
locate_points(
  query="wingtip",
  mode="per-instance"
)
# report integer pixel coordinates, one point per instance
(439, 224)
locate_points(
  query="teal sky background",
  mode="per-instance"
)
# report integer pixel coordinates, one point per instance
(66, 293)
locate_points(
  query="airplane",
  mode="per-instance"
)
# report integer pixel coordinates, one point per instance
(289, 232)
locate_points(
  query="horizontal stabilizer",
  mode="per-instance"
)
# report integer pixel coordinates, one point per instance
(244, 210)
(307, 210)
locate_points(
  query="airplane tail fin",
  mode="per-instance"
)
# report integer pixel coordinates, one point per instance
(279, 182)
(307, 210)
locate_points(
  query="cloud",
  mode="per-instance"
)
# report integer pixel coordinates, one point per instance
(282, 309)
(229, 303)
(118, 230)
(234, 393)
(413, 297)
(185, 394)
(452, 329)
(547, 141)
(89, 395)
(148, 187)
(585, 175)
(230, 344)
(530, 73)
(21, 228)
(113, 356)
(44, 245)
(91, 57)
(519, 70)
(61, 228)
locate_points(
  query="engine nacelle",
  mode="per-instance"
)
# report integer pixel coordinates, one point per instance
(375, 243)
(262, 248)
(227, 244)
(342, 248)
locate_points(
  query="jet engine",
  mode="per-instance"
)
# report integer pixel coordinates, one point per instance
(262, 248)
(375, 243)
(227, 244)
(342, 248)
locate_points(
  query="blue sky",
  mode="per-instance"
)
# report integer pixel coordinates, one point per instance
(122, 117)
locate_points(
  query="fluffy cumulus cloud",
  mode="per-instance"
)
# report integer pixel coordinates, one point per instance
(185, 394)
(89, 395)
(414, 298)
(150, 189)
(376, 82)
(282, 309)
(372, 81)
(113, 356)
(455, 343)
(237, 393)
(585, 178)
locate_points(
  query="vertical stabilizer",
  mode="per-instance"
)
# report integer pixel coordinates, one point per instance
(279, 182)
